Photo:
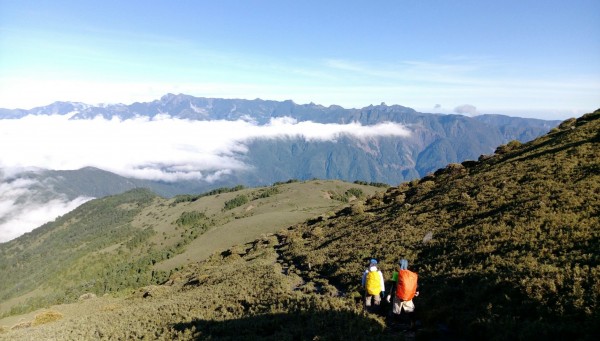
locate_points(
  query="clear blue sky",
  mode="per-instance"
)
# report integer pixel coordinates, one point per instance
(529, 57)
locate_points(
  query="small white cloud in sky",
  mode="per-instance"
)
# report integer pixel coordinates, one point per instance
(466, 109)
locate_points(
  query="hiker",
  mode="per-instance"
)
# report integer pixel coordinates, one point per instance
(372, 281)
(403, 289)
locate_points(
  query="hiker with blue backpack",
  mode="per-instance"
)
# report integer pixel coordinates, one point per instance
(372, 281)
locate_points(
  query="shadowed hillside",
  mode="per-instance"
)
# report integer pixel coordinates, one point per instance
(506, 248)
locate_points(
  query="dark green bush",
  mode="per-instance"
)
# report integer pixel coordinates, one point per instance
(236, 202)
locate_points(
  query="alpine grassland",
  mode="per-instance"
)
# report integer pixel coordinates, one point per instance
(506, 248)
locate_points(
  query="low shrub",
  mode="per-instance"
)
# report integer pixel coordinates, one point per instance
(236, 202)
(46, 317)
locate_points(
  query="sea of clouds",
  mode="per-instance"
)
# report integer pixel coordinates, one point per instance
(160, 148)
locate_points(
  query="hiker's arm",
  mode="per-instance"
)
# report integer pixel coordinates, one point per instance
(391, 291)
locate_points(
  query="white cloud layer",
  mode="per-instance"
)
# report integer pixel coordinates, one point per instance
(22, 210)
(163, 148)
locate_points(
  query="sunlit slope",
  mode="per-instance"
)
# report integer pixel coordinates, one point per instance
(506, 248)
(135, 239)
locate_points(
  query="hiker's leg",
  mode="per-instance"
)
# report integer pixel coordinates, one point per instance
(397, 306)
(413, 320)
(377, 300)
(368, 300)
(409, 308)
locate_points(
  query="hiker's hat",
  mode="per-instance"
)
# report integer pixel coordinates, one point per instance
(373, 261)
(403, 264)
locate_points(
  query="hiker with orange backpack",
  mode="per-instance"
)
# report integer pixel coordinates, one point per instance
(372, 281)
(403, 291)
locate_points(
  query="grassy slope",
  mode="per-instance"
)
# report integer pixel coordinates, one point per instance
(506, 248)
(112, 243)
(294, 203)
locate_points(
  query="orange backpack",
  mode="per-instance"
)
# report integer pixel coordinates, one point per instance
(407, 285)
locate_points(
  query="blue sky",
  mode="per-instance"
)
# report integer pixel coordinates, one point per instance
(525, 58)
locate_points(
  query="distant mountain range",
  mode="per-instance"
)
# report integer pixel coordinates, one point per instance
(436, 140)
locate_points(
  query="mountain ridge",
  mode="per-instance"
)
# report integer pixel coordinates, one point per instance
(191, 107)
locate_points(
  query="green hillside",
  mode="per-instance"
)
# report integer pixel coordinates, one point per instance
(137, 238)
(506, 248)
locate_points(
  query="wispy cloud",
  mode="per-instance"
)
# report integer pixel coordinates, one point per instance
(497, 86)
